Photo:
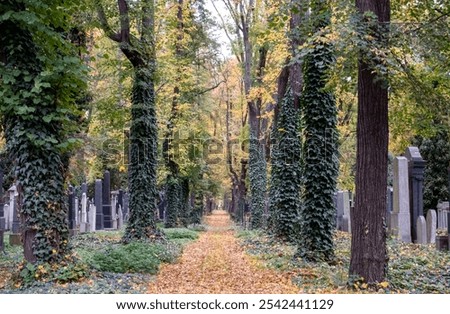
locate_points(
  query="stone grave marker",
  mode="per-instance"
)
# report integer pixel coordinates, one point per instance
(389, 206)
(98, 205)
(120, 218)
(92, 217)
(72, 212)
(15, 236)
(346, 218)
(401, 216)
(416, 168)
(84, 219)
(421, 228)
(431, 226)
(114, 204)
(339, 210)
(106, 201)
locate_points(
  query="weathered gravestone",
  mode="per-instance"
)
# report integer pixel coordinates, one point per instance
(126, 208)
(431, 226)
(14, 237)
(442, 212)
(84, 227)
(346, 221)
(416, 168)
(120, 218)
(421, 230)
(92, 217)
(401, 217)
(98, 204)
(72, 212)
(106, 205)
(114, 204)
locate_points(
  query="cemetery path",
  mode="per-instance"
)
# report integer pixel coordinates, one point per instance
(216, 263)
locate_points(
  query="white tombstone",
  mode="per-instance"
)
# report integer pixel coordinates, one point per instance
(114, 200)
(431, 226)
(84, 218)
(92, 214)
(421, 230)
(346, 218)
(77, 218)
(7, 214)
(12, 198)
(401, 217)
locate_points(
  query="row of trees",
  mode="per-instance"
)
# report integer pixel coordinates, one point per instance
(159, 86)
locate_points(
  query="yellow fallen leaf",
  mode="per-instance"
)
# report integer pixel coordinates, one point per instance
(384, 284)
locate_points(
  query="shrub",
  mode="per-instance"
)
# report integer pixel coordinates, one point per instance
(180, 233)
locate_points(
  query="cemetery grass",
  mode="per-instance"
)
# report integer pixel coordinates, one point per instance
(103, 264)
(412, 268)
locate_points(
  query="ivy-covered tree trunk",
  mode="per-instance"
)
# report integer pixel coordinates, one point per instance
(258, 181)
(285, 174)
(199, 207)
(36, 99)
(185, 215)
(368, 220)
(173, 201)
(143, 157)
(320, 162)
(143, 131)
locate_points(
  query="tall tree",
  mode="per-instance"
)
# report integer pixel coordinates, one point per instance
(368, 219)
(41, 77)
(320, 162)
(140, 51)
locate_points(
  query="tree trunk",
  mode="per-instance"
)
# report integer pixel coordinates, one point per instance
(368, 219)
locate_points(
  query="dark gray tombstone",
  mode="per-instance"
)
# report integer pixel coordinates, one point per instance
(98, 205)
(84, 189)
(126, 206)
(2, 213)
(72, 211)
(416, 168)
(107, 210)
(389, 205)
(120, 202)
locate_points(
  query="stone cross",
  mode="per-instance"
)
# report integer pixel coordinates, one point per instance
(401, 216)
(107, 212)
(431, 226)
(421, 228)
(416, 168)
(99, 205)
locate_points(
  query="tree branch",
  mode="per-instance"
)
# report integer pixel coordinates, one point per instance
(104, 23)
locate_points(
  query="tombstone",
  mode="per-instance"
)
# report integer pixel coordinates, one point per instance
(14, 237)
(346, 218)
(98, 205)
(114, 204)
(77, 212)
(84, 189)
(106, 205)
(401, 216)
(389, 206)
(120, 218)
(442, 211)
(92, 218)
(126, 208)
(6, 212)
(416, 168)
(421, 228)
(431, 226)
(339, 210)
(2, 213)
(84, 219)
(72, 212)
